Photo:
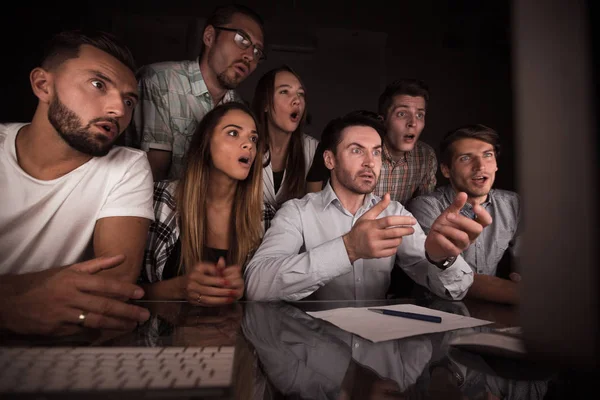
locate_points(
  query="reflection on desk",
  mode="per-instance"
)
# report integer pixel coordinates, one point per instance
(282, 352)
(309, 358)
(180, 324)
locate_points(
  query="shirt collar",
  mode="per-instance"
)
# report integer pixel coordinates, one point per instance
(370, 201)
(328, 196)
(388, 157)
(197, 81)
(198, 84)
(450, 194)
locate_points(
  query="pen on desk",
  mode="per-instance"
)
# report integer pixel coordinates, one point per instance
(421, 317)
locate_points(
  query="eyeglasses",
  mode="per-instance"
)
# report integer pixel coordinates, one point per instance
(243, 42)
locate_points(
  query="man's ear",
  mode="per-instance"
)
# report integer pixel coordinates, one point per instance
(41, 83)
(209, 36)
(445, 170)
(329, 159)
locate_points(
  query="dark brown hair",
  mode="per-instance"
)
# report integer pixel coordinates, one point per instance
(295, 182)
(222, 15)
(407, 87)
(475, 131)
(332, 134)
(66, 45)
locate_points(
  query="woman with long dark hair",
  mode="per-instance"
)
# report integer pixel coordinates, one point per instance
(280, 106)
(208, 222)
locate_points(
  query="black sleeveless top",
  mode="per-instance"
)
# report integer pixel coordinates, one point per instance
(277, 178)
(172, 264)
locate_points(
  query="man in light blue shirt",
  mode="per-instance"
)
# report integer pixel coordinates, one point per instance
(469, 161)
(342, 242)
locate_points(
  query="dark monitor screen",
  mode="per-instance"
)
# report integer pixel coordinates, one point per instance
(555, 65)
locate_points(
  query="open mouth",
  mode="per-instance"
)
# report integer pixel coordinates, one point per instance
(107, 127)
(244, 160)
(409, 138)
(480, 179)
(367, 175)
(241, 68)
(295, 116)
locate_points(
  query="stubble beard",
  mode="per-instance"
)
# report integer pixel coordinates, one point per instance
(71, 130)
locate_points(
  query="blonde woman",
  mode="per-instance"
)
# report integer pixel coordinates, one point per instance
(209, 221)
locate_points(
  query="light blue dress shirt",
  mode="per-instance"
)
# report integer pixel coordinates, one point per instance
(303, 256)
(503, 234)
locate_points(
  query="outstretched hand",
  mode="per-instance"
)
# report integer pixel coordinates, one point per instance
(452, 232)
(377, 238)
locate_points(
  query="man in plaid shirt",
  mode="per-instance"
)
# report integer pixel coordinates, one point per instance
(175, 96)
(409, 165)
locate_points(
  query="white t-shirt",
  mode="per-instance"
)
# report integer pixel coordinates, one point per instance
(269, 196)
(45, 224)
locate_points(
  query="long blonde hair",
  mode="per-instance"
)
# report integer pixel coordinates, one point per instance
(245, 225)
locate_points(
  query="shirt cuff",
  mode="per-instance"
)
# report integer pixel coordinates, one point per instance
(454, 280)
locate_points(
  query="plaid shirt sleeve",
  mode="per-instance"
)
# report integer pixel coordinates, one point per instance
(152, 116)
(163, 233)
(268, 215)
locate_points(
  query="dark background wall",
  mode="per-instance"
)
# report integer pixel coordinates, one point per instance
(345, 52)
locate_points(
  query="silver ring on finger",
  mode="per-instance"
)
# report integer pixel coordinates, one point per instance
(81, 318)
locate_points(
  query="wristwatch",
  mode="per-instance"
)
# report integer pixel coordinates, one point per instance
(441, 264)
(450, 367)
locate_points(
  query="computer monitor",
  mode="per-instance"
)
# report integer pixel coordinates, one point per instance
(555, 80)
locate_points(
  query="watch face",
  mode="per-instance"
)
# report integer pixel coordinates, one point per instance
(448, 261)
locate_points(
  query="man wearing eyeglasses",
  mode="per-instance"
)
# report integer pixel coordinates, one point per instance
(175, 96)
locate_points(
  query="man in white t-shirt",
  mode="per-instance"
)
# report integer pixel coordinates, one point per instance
(75, 211)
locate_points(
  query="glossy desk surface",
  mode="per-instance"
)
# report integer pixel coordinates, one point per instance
(283, 353)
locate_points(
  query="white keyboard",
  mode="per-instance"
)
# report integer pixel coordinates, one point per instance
(83, 369)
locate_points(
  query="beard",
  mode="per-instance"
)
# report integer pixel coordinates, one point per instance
(79, 137)
(227, 82)
(224, 80)
(353, 183)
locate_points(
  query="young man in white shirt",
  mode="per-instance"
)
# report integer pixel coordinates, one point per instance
(331, 245)
(75, 211)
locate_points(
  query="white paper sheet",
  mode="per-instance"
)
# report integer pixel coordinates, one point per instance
(379, 327)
